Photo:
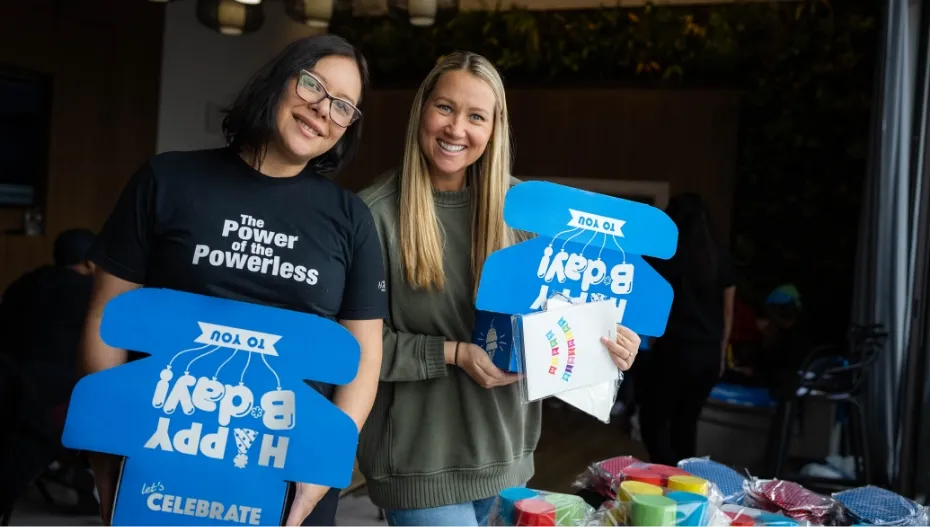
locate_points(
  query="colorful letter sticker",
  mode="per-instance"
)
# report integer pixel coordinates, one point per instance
(588, 248)
(217, 420)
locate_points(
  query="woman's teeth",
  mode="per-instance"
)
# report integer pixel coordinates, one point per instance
(450, 148)
(303, 125)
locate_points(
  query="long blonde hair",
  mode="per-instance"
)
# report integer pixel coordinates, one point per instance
(420, 240)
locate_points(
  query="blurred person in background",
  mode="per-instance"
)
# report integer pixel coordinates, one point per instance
(41, 318)
(676, 376)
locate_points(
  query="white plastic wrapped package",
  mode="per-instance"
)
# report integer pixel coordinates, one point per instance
(645, 505)
(664, 477)
(560, 355)
(651, 494)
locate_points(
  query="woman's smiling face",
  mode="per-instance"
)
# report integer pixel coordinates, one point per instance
(306, 130)
(457, 123)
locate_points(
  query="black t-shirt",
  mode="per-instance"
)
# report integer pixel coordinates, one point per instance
(205, 222)
(696, 318)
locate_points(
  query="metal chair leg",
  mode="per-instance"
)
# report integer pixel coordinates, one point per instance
(862, 440)
(780, 437)
(43, 490)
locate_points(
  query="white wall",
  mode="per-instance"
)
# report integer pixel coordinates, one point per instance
(202, 69)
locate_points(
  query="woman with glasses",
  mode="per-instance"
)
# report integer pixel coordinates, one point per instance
(449, 430)
(293, 126)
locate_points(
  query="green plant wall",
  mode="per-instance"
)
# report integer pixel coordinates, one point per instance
(805, 69)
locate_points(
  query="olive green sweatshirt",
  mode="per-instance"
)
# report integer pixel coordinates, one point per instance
(434, 437)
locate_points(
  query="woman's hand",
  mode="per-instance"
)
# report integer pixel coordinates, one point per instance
(305, 499)
(478, 366)
(623, 350)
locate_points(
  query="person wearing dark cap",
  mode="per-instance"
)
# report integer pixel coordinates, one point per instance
(677, 376)
(71, 250)
(42, 312)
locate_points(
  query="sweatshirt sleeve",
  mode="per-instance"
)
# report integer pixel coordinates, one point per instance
(411, 357)
(405, 356)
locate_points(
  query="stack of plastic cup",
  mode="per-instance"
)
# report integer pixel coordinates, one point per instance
(691, 508)
(668, 471)
(775, 520)
(507, 498)
(534, 512)
(692, 484)
(742, 520)
(643, 475)
(569, 510)
(631, 488)
(652, 511)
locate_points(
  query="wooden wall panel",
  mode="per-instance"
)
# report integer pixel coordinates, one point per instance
(104, 58)
(685, 138)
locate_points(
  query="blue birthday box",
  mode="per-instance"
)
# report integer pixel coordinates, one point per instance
(218, 421)
(588, 248)
(494, 334)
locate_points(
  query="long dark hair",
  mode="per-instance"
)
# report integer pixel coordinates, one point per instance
(698, 255)
(250, 125)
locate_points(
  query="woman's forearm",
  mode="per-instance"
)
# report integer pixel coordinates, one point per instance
(95, 354)
(356, 398)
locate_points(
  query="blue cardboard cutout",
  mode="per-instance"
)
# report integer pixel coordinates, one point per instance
(557, 211)
(218, 418)
(519, 280)
(588, 248)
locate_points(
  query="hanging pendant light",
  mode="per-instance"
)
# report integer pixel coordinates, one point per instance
(424, 12)
(315, 13)
(230, 17)
(249, 2)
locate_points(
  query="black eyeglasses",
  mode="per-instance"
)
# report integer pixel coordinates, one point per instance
(341, 111)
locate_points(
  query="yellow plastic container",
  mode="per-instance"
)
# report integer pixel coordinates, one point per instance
(628, 489)
(689, 484)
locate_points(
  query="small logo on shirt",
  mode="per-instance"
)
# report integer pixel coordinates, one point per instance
(382, 286)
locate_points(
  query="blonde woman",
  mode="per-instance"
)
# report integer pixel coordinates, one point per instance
(448, 430)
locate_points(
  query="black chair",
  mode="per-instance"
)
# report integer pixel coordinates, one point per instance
(835, 374)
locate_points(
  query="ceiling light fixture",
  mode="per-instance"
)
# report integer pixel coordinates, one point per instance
(230, 17)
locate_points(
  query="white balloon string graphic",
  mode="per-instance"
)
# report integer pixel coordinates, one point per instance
(247, 361)
(614, 238)
(566, 231)
(570, 238)
(178, 354)
(217, 374)
(603, 243)
(583, 249)
(276, 378)
(198, 357)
